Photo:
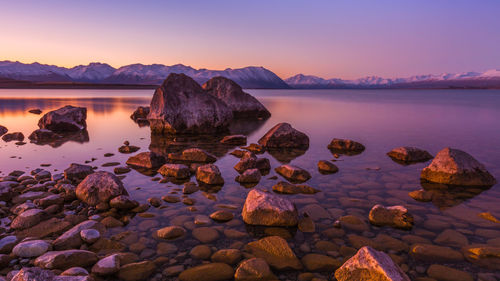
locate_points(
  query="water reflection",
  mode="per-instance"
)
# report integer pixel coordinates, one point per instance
(444, 196)
(60, 139)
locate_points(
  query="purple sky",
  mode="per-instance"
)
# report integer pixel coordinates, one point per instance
(346, 39)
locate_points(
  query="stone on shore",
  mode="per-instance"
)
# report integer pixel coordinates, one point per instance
(407, 154)
(66, 259)
(178, 171)
(107, 265)
(100, 187)
(77, 172)
(208, 272)
(181, 106)
(293, 173)
(72, 238)
(368, 265)
(31, 249)
(283, 135)
(147, 160)
(65, 119)
(262, 208)
(289, 188)
(345, 146)
(254, 269)
(209, 174)
(276, 252)
(394, 216)
(456, 167)
(28, 219)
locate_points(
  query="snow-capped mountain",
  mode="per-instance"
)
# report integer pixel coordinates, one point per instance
(247, 77)
(490, 78)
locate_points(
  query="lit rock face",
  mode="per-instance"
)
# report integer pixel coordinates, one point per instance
(394, 216)
(242, 104)
(64, 119)
(370, 265)
(456, 167)
(262, 208)
(406, 154)
(100, 187)
(283, 135)
(181, 106)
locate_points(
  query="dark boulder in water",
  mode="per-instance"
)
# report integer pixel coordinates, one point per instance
(283, 135)
(409, 155)
(35, 111)
(345, 146)
(140, 115)
(181, 106)
(3, 130)
(242, 104)
(17, 136)
(65, 119)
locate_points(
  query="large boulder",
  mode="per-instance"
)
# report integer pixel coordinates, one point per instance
(369, 264)
(242, 104)
(262, 208)
(100, 187)
(408, 155)
(456, 167)
(283, 135)
(181, 106)
(64, 119)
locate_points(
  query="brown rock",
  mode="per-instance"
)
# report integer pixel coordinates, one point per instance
(394, 216)
(293, 173)
(136, 271)
(345, 146)
(406, 154)
(209, 174)
(288, 188)
(147, 160)
(276, 252)
(99, 187)
(283, 135)
(208, 272)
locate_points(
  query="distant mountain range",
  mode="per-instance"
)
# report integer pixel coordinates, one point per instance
(19, 74)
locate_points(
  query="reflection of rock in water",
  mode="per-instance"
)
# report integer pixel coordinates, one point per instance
(245, 126)
(285, 156)
(344, 152)
(165, 144)
(446, 196)
(61, 138)
(259, 231)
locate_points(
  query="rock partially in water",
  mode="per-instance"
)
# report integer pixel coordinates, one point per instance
(66, 259)
(483, 255)
(100, 187)
(242, 104)
(249, 176)
(209, 174)
(222, 216)
(43, 136)
(345, 146)
(254, 269)
(65, 119)
(283, 135)
(126, 149)
(434, 253)
(262, 208)
(178, 171)
(36, 111)
(77, 172)
(146, 160)
(456, 167)
(181, 106)
(123, 202)
(72, 238)
(208, 272)
(276, 252)
(369, 264)
(140, 115)
(317, 262)
(170, 232)
(193, 155)
(289, 188)
(408, 155)
(16, 136)
(293, 173)
(234, 140)
(3, 130)
(394, 216)
(327, 167)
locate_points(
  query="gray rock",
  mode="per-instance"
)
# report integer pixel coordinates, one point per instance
(90, 235)
(64, 119)
(31, 249)
(7, 243)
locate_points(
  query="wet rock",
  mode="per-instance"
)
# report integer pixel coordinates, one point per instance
(201, 252)
(249, 176)
(394, 216)
(262, 208)
(209, 174)
(227, 256)
(147, 160)
(429, 253)
(31, 249)
(181, 106)
(445, 273)
(99, 187)
(483, 255)
(75, 271)
(208, 272)
(72, 238)
(276, 252)
(121, 170)
(327, 167)
(242, 104)
(66, 259)
(369, 264)
(254, 269)
(234, 140)
(452, 238)
(90, 235)
(35, 111)
(7, 243)
(178, 171)
(50, 227)
(136, 271)
(293, 173)
(205, 234)
(306, 224)
(107, 266)
(77, 172)
(128, 149)
(140, 114)
(111, 222)
(17, 136)
(408, 155)
(317, 262)
(33, 274)
(247, 161)
(190, 187)
(170, 232)
(222, 216)
(255, 148)
(355, 223)
(28, 219)
(421, 195)
(288, 188)
(283, 135)
(64, 119)
(345, 146)
(3, 130)
(123, 202)
(456, 167)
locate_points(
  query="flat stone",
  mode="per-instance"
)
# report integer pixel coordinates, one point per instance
(72, 238)
(136, 271)
(445, 273)
(289, 188)
(205, 234)
(452, 238)
(394, 216)
(170, 232)
(228, 256)
(66, 259)
(28, 219)
(222, 216)
(31, 249)
(293, 173)
(276, 251)
(201, 252)
(433, 253)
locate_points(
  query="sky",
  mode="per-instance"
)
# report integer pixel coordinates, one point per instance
(328, 38)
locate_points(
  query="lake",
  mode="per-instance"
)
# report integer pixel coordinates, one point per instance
(380, 119)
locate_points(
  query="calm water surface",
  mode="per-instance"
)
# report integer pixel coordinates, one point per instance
(380, 119)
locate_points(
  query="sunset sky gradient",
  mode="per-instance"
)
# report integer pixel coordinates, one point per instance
(346, 39)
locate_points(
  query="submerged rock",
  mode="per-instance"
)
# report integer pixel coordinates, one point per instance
(345, 146)
(283, 135)
(234, 140)
(288, 188)
(327, 167)
(147, 160)
(456, 167)
(369, 264)
(276, 252)
(136, 271)
(242, 104)
(100, 187)
(394, 216)
(208, 272)
(406, 154)
(254, 269)
(434, 253)
(483, 255)
(64, 119)
(43, 136)
(262, 208)
(181, 106)
(293, 173)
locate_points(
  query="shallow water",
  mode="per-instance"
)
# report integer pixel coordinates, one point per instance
(380, 119)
